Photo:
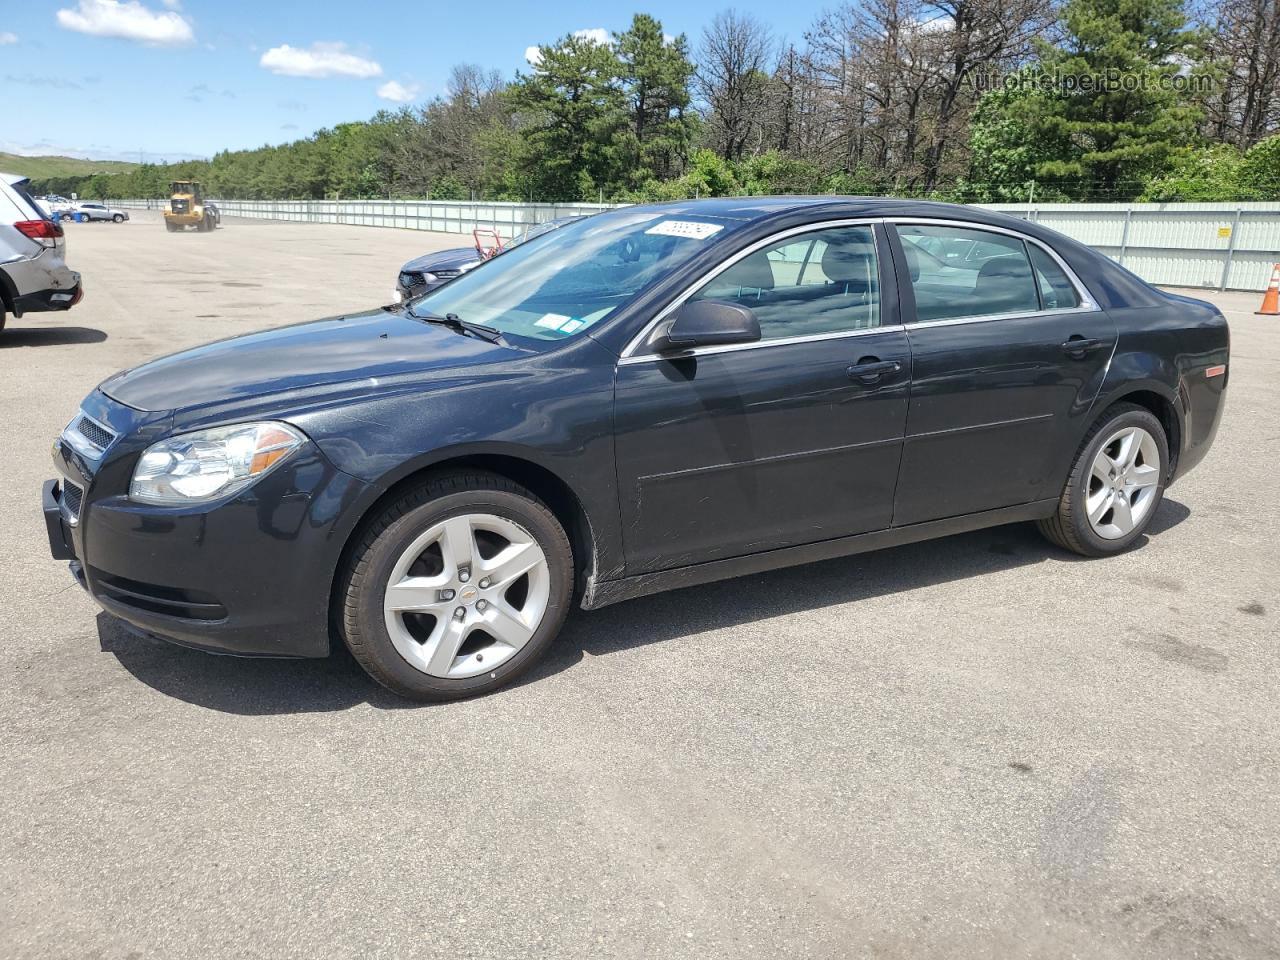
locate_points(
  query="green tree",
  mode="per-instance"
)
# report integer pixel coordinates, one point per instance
(655, 74)
(1259, 174)
(574, 120)
(1006, 156)
(1111, 97)
(1207, 175)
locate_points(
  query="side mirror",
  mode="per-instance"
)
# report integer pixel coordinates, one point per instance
(705, 323)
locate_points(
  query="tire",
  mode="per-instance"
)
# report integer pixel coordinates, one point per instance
(1125, 487)
(448, 650)
(170, 227)
(118, 218)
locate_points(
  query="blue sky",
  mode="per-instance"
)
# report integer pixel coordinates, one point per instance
(113, 79)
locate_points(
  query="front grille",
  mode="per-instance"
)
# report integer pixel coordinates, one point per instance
(94, 432)
(72, 499)
(178, 206)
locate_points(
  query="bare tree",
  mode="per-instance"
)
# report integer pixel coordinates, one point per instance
(735, 62)
(1244, 44)
(896, 77)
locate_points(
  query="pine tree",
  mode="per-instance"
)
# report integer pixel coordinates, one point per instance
(655, 73)
(574, 119)
(1110, 94)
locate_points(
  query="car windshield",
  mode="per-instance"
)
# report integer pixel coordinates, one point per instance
(572, 277)
(538, 230)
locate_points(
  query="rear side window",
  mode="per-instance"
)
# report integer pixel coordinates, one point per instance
(959, 272)
(827, 281)
(1056, 291)
(35, 208)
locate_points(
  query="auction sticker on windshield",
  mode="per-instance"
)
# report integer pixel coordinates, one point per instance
(685, 228)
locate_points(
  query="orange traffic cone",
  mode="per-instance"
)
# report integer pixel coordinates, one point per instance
(1271, 299)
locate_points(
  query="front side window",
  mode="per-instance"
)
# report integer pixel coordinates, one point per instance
(572, 278)
(822, 282)
(961, 272)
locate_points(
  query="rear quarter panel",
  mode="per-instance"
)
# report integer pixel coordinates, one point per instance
(1167, 348)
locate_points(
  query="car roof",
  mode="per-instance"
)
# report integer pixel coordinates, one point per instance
(750, 209)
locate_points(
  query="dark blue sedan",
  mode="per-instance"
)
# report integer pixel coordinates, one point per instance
(654, 397)
(432, 269)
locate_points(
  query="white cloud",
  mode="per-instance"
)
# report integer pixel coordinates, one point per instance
(533, 55)
(397, 92)
(936, 25)
(129, 20)
(321, 60)
(7, 38)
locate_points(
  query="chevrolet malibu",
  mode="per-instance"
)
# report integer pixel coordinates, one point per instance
(655, 397)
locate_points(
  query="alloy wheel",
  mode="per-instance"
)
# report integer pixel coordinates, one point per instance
(467, 595)
(1122, 484)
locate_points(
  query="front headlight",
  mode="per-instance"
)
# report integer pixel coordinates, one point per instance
(209, 464)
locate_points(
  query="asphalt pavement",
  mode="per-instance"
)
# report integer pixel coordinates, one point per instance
(975, 747)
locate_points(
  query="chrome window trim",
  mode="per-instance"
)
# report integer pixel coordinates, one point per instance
(758, 344)
(630, 353)
(1087, 303)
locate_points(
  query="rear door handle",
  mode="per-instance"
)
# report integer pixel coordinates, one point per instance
(1080, 346)
(870, 370)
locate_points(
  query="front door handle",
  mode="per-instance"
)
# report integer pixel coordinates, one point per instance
(1079, 347)
(871, 369)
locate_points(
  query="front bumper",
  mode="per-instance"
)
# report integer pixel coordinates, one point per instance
(249, 576)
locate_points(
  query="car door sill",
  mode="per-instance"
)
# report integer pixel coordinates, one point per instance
(602, 593)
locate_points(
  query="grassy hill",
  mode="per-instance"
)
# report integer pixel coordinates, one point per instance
(39, 167)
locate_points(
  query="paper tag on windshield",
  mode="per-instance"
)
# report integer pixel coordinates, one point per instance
(553, 320)
(685, 228)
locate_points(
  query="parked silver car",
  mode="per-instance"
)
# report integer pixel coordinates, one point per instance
(100, 211)
(33, 274)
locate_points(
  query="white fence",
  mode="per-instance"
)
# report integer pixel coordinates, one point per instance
(1220, 246)
(443, 216)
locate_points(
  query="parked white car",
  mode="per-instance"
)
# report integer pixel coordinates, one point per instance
(100, 211)
(33, 272)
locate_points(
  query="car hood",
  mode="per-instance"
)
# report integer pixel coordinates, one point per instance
(454, 259)
(306, 357)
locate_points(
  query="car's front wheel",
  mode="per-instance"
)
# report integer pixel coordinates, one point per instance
(456, 588)
(1116, 484)
(118, 218)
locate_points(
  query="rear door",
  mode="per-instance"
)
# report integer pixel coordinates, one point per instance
(731, 450)
(1008, 352)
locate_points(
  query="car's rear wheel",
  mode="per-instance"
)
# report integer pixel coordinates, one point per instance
(1116, 484)
(456, 588)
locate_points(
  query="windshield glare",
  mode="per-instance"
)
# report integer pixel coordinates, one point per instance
(572, 277)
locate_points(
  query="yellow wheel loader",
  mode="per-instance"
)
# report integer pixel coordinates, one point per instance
(188, 208)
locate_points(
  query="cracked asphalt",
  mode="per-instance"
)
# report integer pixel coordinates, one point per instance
(975, 747)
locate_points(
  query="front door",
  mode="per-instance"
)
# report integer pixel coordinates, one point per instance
(727, 451)
(1007, 355)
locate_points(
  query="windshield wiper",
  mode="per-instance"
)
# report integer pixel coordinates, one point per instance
(455, 322)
